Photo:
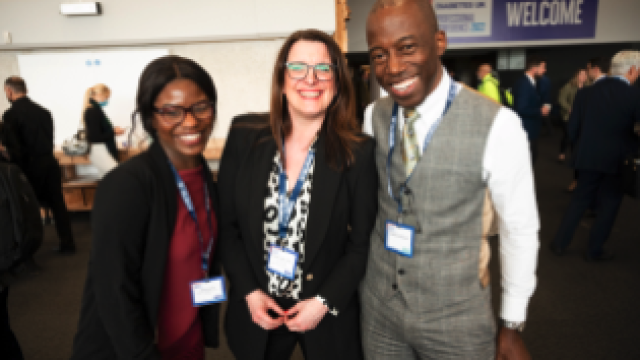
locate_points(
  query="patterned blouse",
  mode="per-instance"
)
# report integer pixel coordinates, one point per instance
(296, 232)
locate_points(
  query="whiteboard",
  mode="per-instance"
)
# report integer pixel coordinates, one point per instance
(58, 81)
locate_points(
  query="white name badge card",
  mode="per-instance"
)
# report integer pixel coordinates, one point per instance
(399, 238)
(208, 291)
(282, 262)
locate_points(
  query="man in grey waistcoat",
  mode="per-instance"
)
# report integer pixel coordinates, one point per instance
(448, 158)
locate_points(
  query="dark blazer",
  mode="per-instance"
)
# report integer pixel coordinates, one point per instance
(527, 104)
(335, 257)
(544, 89)
(99, 129)
(28, 132)
(601, 125)
(133, 222)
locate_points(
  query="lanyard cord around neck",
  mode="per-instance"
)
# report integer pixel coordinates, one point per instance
(186, 198)
(427, 139)
(286, 204)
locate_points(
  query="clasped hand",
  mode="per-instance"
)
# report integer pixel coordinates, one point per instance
(304, 316)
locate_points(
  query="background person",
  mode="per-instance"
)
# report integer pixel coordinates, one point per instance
(31, 128)
(312, 117)
(490, 85)
(601, 127)
(99, 130)
(148, 246)
(565, 100)
(528, 102)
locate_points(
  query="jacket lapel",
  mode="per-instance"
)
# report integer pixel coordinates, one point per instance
(323, 193)
(170, 189)
(262, 157)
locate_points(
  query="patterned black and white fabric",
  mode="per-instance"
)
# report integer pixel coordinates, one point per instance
(296, 234)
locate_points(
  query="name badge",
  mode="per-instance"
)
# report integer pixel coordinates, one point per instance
(282, 262)
(399, 238)
(208, 291)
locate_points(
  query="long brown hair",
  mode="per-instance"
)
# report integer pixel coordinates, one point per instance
(340, 126)
(574, 79)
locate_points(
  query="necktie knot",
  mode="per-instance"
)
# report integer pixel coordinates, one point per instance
(410, 115)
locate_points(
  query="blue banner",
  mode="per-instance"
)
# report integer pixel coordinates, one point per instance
(504, 20)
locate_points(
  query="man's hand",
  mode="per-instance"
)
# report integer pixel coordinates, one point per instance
(306, 315)
(259, 303)
(510, 346)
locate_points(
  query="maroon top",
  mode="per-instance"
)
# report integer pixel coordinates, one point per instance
(179, 327)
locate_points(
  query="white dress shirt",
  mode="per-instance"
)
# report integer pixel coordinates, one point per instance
(507, 170)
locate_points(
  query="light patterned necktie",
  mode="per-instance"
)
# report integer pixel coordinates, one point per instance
(411, 153)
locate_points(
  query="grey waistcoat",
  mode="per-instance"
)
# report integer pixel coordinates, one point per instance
(449, 196)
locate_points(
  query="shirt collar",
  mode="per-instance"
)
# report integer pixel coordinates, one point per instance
(623, 79)
(533, 81)
(438, 96)
(599, 78)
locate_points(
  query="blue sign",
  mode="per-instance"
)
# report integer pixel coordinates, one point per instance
(519, 20)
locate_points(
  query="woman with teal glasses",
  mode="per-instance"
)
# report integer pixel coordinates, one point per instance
(297, 205)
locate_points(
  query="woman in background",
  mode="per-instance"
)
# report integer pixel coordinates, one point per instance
(565, 99)
(155, 230)
(296, 251)
(99, 130)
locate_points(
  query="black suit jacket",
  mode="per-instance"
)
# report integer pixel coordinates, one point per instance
(133, 222)
(99, 129)
(527, 103)
(28, 133)
(601, 125)
(335, 257)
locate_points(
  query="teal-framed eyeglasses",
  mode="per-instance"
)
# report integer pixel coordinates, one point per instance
(300, 70)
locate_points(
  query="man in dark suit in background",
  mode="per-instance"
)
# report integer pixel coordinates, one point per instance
(31, 127)
(601, 127)
(544, 89)
(528, 102)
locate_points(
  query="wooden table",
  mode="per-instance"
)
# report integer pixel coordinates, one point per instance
(79, 192)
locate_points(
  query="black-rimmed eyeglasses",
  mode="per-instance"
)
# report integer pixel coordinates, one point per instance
(173, 114)
(300, 70)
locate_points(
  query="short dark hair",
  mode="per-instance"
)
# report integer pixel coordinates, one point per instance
(601, 63)
(533, 61)
(157, 75)
(16, 84)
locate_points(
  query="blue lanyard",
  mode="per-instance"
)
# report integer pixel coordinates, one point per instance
(286, 205)
(427, 140)
(186, 198)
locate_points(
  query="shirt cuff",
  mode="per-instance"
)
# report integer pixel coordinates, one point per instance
(514, 309)
(323, 301)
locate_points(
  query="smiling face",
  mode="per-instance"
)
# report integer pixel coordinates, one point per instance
(405, 52)
(309, 98)
(183, 142)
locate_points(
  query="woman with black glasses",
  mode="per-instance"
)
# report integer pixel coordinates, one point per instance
(154, 277)
(298, 201)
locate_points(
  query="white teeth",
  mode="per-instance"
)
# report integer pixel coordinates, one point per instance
(404, 85)
(310, 94)
(190, 137)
